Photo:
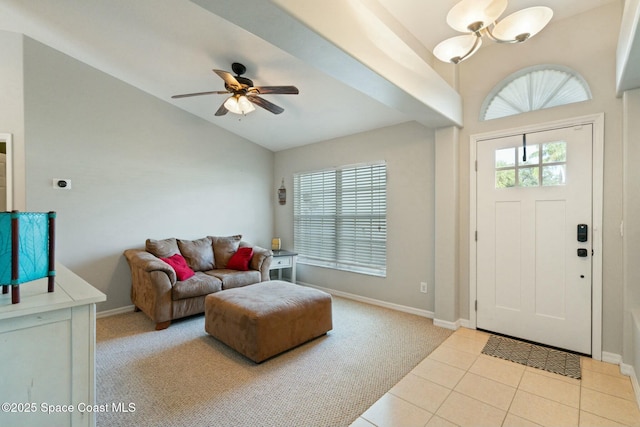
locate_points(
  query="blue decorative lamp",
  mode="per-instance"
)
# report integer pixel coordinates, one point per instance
(27, 243)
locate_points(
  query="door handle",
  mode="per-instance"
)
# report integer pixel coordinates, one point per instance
(583, 253)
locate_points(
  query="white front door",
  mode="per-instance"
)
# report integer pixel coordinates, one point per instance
(534, 242)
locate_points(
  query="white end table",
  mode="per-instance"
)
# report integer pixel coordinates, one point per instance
(284, 259)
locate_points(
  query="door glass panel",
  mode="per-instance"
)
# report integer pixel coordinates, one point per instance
(528, 177)
(554, 175)
(554, 152)
(506, 178)
(506, 157)
(533, 155)
(512, 169)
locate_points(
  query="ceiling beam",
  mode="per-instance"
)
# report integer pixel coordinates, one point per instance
(352, 43)
(628, 54)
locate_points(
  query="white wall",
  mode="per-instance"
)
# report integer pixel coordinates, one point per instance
(587, 44)
(408, 150)
(140, 168)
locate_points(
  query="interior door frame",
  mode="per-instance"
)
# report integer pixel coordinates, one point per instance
(6, 138)
(597, 174)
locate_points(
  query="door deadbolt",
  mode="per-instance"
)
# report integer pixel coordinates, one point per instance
(582, 252)
(583, 233)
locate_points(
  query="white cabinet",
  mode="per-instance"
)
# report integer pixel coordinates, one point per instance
(47, 353)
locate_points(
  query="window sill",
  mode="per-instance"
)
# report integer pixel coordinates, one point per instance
(345, 267)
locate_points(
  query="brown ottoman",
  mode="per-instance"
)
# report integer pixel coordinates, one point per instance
(267, 318)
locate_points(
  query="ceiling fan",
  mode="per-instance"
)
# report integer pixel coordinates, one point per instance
(243, 93)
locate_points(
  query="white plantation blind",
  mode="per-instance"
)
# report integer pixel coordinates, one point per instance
(340, 218)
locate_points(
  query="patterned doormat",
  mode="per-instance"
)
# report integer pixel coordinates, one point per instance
(537, 356)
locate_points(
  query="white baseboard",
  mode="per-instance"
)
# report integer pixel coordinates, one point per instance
(631, 373)
(372, 301)
(607, 357)
(113, 312)
(406, 309)
(465, 323)
(454, 326)
(460, 323)
(625, 369)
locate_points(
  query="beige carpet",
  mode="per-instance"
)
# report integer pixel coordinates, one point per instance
(183, 377)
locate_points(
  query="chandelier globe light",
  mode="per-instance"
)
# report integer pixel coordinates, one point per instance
(478, 18)
(239, 104)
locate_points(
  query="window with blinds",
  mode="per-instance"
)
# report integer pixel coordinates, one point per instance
(340, 218)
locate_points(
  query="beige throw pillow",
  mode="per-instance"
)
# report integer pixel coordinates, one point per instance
(224, 248)
(162, 248)
(198, 253)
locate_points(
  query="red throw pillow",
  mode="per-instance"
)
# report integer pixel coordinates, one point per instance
(240, 260)
(179, 264)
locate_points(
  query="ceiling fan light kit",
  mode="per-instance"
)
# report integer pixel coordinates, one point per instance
(244, 95)
(239, 104)
(478, 18)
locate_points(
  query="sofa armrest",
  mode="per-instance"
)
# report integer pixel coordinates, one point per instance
(261, 260)
(148, 262)
(151, 282)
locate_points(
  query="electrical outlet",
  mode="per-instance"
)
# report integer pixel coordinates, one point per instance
(423, 287)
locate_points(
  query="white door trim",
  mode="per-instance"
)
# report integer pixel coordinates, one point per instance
(597, 120)
(6, 138)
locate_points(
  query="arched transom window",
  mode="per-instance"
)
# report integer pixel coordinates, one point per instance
(535, 88)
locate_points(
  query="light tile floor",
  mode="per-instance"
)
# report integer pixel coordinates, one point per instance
(457, 385)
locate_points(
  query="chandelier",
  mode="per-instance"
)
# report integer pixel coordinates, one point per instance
(478, 18)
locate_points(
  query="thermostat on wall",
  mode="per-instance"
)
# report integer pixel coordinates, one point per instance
(62, 183)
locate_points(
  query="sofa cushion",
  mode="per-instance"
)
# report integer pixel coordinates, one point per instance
(198, 285)
(198, 253)
(162, 248)
(224, 248)
(234, 278)
(179, 264)
(240, 260)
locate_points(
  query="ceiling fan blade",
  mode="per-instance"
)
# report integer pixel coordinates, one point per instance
(222, 110)
(185, 95)
(229, 79)
(269, 106)
(283, 90)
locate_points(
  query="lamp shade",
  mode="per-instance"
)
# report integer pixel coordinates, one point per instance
(523, 24)
(457, 48)
(239, 104)
(27, 249)
(475, 13)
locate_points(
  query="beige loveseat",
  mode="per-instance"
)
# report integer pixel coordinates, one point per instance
(156, 290)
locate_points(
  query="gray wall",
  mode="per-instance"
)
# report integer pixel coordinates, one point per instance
(140, 168)
(408, 150)
(631, 139)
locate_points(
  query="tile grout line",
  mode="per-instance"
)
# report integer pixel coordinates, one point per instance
(507, 412)
(607, 393)
(467, 371)
(580, 397)
(514, 398)
(433, 414)
(453, 388)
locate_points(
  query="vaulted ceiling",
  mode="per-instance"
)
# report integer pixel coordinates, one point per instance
(359, 64)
